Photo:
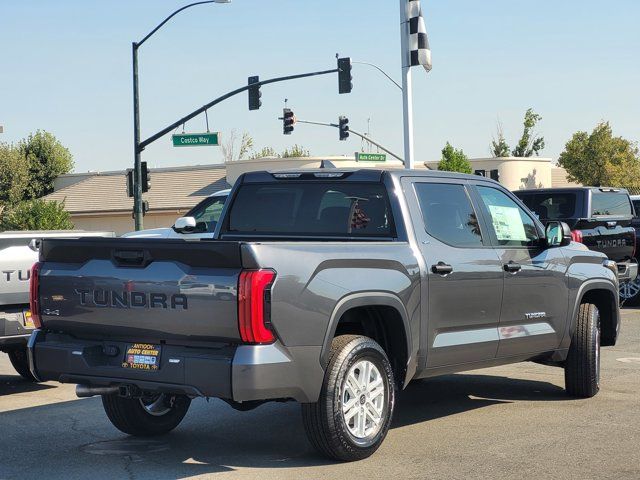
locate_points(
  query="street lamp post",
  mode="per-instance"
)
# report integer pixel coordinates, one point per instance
(137, 149)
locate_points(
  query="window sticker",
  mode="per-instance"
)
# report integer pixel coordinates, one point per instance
(507, 223)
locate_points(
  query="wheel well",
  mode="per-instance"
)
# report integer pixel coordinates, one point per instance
(383, 324)
(605, 301)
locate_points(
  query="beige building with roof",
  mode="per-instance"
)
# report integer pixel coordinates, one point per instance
(99, 201)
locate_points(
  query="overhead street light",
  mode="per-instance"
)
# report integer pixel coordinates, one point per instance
(137, 149)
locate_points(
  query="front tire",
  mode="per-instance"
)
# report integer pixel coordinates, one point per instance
(352, 416)
(20, 362)
(582, 368)
(146, 416)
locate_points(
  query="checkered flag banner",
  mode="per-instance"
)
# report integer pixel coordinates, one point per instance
(418, 42)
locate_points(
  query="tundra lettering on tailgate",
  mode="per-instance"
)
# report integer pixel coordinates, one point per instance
(621, 242)
(124, 299)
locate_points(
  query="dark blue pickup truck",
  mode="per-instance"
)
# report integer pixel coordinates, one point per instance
(600, 218)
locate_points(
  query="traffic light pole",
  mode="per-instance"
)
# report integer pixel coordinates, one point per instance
(224, 97)
(361, 135)
(137, 150)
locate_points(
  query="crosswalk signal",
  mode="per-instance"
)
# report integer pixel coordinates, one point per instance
(254, 93)
(146, 178)
(288, 119)
(343, 125)
(345, 84)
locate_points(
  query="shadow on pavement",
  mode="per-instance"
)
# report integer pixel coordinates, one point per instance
(10, 384)
(215, 438)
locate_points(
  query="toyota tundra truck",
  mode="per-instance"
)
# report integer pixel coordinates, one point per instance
(18, 253)
(600, 218)
(342, 287)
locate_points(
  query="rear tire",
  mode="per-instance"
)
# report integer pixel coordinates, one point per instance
(147, 416)
(20, 361)
(358, 374)
(582, 368)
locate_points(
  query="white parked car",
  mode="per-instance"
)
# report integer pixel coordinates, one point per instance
(199, 222)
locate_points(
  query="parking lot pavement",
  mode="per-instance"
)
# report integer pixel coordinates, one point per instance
(505, 422)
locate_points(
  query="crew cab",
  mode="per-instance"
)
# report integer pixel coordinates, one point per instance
(341, 287)
(199, 222)
(599, 217)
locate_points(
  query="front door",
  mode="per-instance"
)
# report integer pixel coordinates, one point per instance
(463, 289)
(534, 306)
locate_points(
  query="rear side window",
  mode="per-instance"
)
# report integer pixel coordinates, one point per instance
(610, 203)
(312, 209)
(448, 214)
(551, 205)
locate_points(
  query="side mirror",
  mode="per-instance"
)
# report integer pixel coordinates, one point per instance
(185, 224)
(557, 234)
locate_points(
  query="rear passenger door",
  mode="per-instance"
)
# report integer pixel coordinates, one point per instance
(534, 306)
(462, 293)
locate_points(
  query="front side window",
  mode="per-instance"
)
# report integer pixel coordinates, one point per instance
(511, 224)
(207, 213)
(448, 214)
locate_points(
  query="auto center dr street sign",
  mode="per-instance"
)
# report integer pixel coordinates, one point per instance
(209, 139)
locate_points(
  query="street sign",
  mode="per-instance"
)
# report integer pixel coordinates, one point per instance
(371, 157)
(209, 139)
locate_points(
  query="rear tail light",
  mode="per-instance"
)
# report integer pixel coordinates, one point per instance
(633, 255)
(34, 295)
(576, 236)
(254, 305)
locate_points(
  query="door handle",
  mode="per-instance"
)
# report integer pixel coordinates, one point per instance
(441, 268)
(512, 267)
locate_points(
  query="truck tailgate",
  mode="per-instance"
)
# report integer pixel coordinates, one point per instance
(616, 239)
(151, 290)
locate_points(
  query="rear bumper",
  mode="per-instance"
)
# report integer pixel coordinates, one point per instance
(12, 330)
(627, 271)
(239, 373)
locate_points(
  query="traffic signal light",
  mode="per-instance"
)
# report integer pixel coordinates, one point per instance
(130, 185)
(343, 125)
(288, 119)
(344, 75)
(146, 178)
(254, 94)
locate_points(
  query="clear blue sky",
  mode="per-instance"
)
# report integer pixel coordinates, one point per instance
(66, 68)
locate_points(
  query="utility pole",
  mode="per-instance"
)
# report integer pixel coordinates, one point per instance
(407, 92)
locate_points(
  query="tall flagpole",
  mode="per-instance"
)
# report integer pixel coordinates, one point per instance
(407, 93)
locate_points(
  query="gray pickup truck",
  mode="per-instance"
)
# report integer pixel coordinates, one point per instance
(333, 288)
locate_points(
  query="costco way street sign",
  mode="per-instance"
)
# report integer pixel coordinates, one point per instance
(196, 139)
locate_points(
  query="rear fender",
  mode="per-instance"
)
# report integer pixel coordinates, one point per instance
(365, 299)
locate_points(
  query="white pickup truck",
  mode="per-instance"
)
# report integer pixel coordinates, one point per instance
(199, 222)
(18, 253)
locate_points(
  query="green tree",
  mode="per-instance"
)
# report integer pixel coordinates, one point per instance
(296, 151)
(499, 146)
(46, 158)
(14, 175)
(454, 160)
(600, 159)
(265, 152)
(530, 142)
(37, 214)
(232, 150)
